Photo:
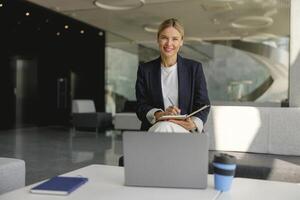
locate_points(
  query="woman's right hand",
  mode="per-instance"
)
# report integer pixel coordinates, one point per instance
(171, 110)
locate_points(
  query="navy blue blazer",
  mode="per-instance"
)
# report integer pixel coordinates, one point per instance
(192, 93)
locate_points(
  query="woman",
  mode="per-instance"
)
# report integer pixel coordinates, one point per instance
(171, 85)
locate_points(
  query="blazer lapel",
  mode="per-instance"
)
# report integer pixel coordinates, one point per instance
(182, 84)
(157, 84)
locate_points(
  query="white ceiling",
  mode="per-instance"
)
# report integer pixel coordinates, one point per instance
(203, 19)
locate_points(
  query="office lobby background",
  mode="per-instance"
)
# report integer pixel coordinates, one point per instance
(54, 52)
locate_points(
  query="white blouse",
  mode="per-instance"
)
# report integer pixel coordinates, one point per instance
(169, 85)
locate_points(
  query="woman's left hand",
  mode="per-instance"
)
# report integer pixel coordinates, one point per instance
(188, 124)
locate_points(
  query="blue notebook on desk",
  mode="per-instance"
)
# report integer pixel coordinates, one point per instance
(60, 185)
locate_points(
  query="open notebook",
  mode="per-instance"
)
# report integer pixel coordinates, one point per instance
(182, 117)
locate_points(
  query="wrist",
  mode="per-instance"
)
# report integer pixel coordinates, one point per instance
(158, 114)
(194, 127)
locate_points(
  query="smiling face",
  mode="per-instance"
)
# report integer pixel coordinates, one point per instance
(169, 41)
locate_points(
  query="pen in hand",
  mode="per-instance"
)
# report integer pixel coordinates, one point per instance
(171, 101)
(177, 111)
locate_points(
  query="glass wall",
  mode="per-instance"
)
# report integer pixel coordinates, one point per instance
(246, 71)
(246, 64)
(237, 72)
(120, 68)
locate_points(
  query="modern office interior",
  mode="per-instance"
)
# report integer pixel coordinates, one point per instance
(56, 55)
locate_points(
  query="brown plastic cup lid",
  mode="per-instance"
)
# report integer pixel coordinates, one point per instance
(224, 158)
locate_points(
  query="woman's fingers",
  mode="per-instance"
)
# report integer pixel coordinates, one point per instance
(173, 110)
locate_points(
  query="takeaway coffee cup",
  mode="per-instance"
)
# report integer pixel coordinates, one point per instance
(224, 170)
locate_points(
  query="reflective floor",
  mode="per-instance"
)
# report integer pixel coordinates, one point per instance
(54, 150)
(50, 151)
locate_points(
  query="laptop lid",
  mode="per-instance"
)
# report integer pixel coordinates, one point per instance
(165, 159)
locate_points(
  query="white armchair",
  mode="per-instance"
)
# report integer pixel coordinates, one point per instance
(85, 115)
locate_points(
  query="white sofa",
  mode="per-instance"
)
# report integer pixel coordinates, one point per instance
(272, 130)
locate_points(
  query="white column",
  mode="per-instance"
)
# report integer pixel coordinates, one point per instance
(294, 80)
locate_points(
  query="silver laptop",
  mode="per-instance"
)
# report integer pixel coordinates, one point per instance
(165, 159)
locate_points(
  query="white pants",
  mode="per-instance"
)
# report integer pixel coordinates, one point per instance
(165, 126)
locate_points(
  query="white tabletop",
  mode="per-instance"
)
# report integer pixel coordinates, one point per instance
(107, 182)
(244, 188)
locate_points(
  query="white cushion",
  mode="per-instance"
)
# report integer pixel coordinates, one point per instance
(12, 174)
(83, 106)
(127, 121)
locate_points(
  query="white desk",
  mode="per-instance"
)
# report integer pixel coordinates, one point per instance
(249, 189)
(107, 182)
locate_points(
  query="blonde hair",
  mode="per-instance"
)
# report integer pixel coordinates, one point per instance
(171, 23)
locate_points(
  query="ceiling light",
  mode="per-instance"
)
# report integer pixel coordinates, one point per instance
(58, 33)
(151, 28)
(240, 2)
(196, 39)
(260, 37)
(1, 5)
(27, 14)
(100, 33)
(66, 26)
(271, 13)
(227, 0)
(81, 31)
(216, 38)
(139, 4)
(252, 22)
